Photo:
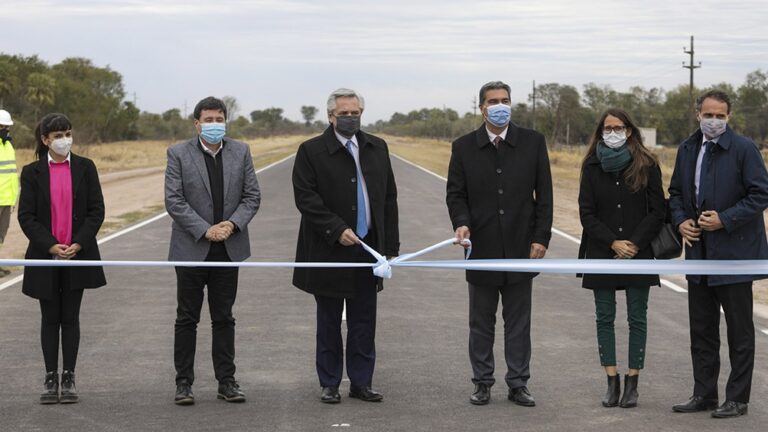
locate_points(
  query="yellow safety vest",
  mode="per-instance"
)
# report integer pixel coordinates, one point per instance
(9, 177)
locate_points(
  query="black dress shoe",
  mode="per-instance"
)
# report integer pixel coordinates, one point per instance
(695, 404)
(68, 389)
(330, 395)
(481, 396)
(521, 396)
(50, 393)
(611, 398)
(230, 391)
(184, 395)
(730, 409)
(365, 394)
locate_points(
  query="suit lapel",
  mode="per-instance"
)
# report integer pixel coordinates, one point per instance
(228, 162)
(77, 171)
(44, 180)
(196, 154)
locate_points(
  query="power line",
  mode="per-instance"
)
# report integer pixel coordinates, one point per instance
(691, 67)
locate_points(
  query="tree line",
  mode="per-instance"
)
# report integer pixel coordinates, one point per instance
(566, 116)
(95, 100)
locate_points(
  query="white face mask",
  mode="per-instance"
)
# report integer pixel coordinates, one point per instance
(615, 139)
(61, 146)
(713, 127)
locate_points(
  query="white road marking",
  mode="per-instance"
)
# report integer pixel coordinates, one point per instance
(764, 331)
(125, 231)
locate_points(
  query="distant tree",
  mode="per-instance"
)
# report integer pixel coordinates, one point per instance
(40, 91)
(233, 107)
(308, 113)
(268, 118)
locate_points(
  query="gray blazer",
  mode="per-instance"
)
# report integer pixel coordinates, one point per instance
(188, 199)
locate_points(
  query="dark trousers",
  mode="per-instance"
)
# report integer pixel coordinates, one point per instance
(361, 332)
(222, 290)
(516, 311)
(61, 314)
(704, 304)
(637, 318)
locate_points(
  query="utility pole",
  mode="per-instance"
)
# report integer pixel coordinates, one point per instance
(533, 97)
(474, 105)
(690, 66)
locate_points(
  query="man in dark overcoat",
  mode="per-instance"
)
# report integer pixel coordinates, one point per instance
(717, 196)
(345, 190)
(500, 191)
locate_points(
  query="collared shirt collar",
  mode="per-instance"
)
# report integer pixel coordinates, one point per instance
(714, 140)
(207, 150)
(52, 161)
(343, 140)
(492, 136)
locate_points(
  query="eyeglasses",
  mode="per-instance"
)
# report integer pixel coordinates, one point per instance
(617, 129)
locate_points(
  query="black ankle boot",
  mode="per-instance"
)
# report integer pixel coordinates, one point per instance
(68, 389)
(629, 398)
(611, 398)
(50, 393)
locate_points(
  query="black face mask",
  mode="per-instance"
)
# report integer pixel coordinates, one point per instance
(347, 125)
(5, 134)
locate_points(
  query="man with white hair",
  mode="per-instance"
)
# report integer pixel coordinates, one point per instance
(345, 190)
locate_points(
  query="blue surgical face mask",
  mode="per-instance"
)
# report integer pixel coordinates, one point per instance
(499, 114)
(213, 133)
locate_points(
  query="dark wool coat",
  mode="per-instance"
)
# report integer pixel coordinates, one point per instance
(503, 195)
(35, 221)
(737, 188)
(325, 190)
(610, 211)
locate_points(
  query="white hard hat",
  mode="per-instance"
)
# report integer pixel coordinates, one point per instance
(5, 118)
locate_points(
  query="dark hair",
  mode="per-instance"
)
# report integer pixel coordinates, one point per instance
(210, 103)
(643, 160)
(53, 122)
(493, 85)
(717, 95)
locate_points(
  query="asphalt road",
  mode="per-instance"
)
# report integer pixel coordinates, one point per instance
(125, 369)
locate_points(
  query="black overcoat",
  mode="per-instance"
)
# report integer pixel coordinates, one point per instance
(610, 211)
(35, 221)
(503, 195)
(325, 190)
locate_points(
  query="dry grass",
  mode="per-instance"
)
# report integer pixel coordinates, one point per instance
(127, 155)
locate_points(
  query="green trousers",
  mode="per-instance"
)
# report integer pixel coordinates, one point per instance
(605, 314)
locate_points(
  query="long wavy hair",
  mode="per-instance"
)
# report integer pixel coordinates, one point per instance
(636, 174)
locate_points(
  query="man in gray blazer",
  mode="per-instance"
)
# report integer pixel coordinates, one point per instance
(211, 193)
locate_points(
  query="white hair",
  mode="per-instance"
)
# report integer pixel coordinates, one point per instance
(343, 92)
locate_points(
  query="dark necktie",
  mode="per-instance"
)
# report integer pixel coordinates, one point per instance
(703, 172)
(496, 141)
(362, 224)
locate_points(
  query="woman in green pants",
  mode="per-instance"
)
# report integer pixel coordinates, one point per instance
(621, 205)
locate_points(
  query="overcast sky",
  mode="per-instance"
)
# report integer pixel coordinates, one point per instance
(400, 54)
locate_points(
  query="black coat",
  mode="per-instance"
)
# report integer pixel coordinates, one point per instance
(737, 189)
(504, 196)
(610, 211)
(325, 190)
(35, 221)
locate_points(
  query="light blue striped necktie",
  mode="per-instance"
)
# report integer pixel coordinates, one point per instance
(362, 224)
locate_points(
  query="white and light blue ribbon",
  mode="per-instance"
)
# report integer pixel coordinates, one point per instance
(383, 267)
